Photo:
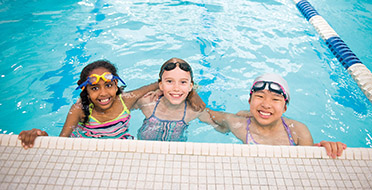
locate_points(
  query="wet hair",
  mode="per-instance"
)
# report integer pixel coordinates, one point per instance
(85, 73)
(182, 64)
(172, 64)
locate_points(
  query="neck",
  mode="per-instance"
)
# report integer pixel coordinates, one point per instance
(171, 106)
(109, 110)
(268, 127)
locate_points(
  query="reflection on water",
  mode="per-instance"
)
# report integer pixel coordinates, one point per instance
(45, 46)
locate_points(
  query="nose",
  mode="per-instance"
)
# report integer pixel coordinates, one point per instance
(103, 91)
(176, 86)
(266, 103)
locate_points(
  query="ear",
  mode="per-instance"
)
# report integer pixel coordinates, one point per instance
(285, 107)
(161, 85)
(191, 86)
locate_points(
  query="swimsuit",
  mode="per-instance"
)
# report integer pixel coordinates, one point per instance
(250, 140)
(114, 129)
(157, 129)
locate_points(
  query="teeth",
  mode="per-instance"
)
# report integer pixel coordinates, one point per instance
(105, 100)
(264, 113)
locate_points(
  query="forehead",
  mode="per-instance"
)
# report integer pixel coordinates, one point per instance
(268, 92)
(99, 71)
(176, 73)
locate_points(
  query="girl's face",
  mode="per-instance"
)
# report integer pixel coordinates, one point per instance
(267, 107)
(176, 85)
(102, 94)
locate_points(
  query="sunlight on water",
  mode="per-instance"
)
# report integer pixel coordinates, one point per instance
(227, 44)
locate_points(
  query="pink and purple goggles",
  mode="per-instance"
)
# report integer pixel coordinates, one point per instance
(272, 86)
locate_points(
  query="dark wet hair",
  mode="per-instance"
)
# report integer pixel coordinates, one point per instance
(172, 64)
(85, 73)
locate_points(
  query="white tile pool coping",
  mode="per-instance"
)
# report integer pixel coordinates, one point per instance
(69, 163)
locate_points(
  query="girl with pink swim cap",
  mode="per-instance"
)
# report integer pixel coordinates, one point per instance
(264, 123)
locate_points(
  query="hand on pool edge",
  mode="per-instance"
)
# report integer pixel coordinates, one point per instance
(28, 137)
(333, 149)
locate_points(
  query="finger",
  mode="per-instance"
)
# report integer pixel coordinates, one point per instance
(327, 146)
(44, 133)
(20, 135)
(340, 148)
(30, 137)
(334, 149)
(39, 132)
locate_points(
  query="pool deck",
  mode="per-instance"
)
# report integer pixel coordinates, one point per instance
(69, 163)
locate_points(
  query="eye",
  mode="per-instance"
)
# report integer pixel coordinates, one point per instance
(259, 96)
(94, 88)
(184, 82)
(168, 81)
(109, 85)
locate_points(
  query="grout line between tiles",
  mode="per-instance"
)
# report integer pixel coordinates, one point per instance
(186, 148)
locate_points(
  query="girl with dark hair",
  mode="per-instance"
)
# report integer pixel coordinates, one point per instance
(102, 110)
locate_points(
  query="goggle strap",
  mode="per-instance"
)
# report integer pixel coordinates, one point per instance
(116, 77)
(82, 84)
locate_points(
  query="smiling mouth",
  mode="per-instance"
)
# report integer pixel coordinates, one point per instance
(104, 101)
(176, 95)
(264, 113)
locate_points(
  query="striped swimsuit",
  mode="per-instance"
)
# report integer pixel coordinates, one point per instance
(250, 140)
(114, 129)
(157, 129)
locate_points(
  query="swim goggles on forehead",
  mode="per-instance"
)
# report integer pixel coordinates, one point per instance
(170, 66)
(272, 86)
(94, 78)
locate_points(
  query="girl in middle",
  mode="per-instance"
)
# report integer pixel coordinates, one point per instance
(168, 116)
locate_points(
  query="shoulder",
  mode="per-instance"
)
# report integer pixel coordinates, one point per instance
(76, 110)
(294, 124)
(192, 114)
(300, 132)
(77, 106)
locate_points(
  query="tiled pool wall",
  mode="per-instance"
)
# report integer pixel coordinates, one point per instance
(70, 163)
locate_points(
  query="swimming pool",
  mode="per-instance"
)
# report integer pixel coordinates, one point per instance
(45, 45)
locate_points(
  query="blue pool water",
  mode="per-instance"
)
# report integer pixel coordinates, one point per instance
(45, 44)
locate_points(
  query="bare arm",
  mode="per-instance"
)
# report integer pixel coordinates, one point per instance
(244, 113)
(196, 103)
(73, 117)
(230, 122)
(300, 132)
(131, 97)
(227, 121)
(206, 118)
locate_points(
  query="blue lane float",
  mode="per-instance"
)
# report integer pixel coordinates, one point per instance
(359, 72)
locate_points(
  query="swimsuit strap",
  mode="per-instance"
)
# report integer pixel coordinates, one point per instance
(291, 141)
(248, 122)
(157, 103)
(123, 103)
(125, 110)
(184, 112)
(249, 136)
